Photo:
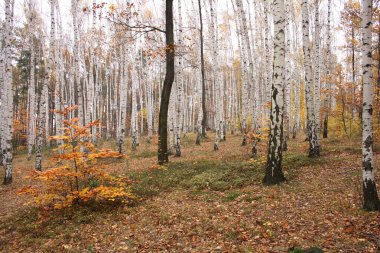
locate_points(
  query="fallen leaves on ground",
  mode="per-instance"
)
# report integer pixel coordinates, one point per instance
(319, 206)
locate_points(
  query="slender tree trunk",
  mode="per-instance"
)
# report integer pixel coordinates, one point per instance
(214, 69)
(60, 81)
(45, 93)
(180, 108)
(7, 97)
(163, 156)
(32, 85)
(200, 105)
(287, 79)
(77, 65)
(273, 172)
(123, 103)
(204, 112)
(371, 199)
(311, 126)
(328, 79)
(134, 116)
(297, 101)
(317, 75)
(268, 61)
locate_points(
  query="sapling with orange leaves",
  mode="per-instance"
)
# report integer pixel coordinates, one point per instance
(79, 176)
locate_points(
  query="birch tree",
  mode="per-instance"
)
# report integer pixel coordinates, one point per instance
(317, 74)
(326, 102)
(200, 80)
(45, 93)
(204, 112)
(311, 125)
(180, 109)
(214, 69)
(7, 97)
(32, 86)
(287, 77)
(370, 196)
(273, 171)
(77, 63)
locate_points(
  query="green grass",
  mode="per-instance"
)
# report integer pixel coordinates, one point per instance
(221, 176)
(296, 160)
(231, 196)
(195, 176)
(143, 154)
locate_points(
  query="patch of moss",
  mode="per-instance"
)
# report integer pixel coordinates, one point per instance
(198, 175)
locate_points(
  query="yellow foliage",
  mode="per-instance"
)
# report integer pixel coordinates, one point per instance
(79, 176)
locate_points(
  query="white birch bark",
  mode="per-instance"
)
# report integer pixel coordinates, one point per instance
(245, 78)
(150, 84)
(134, 116)
(311, 126)
(32, 85)
(370, 196)
(7, 97)
(326, 103)
(59, 81)
(216, 74)
(268, 57)
(78, 66)
(317, 74)
(180, 108)
(123, 103)
(273, 173)
(247, 50)
(43, 113)
(287, 77)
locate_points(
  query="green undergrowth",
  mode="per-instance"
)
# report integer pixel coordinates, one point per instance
(195, 175)
(143, 154)
(214, 175)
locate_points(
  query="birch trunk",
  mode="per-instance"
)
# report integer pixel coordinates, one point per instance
(311, 126)
(326, 103)
(180, 109)
(43, 113)
(371, 199)
(200, 75)
(214, 69)
(245, 75)
(273, 172)
(317, 75)
(287, 78)
(268, 62)
(60, 80)
(150, 101)
(204, 112)
(32, 85)
(123, 105)
(77, 64)
(134, 116)
(7, 97)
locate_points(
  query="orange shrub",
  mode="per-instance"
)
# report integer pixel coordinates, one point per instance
(79, 176)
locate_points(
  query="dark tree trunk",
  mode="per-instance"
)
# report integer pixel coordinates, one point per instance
(163, 156)
(204, 119)
(325, 126)
(371, 199)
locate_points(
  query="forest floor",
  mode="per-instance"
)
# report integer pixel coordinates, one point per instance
(208, 201)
